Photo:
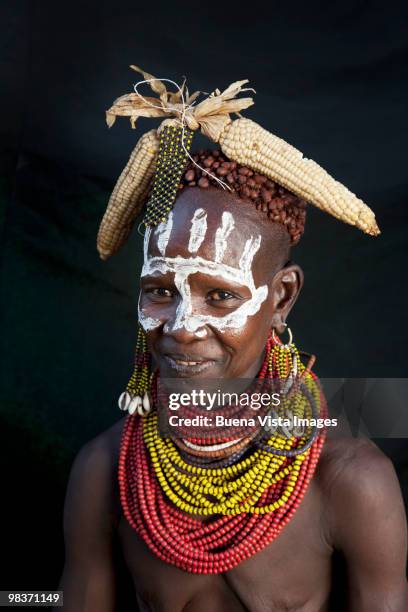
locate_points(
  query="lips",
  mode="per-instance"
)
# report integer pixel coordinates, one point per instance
(187, 358)
(187, 365)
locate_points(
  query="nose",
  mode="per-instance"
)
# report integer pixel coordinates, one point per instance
(183, 336)
(183, 330)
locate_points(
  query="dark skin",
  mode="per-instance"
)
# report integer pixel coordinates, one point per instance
(353, 504)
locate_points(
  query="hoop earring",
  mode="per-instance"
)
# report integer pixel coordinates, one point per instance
(136, 398)
(275, 339)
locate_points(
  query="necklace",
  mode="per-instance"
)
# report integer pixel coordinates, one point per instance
(207, 520)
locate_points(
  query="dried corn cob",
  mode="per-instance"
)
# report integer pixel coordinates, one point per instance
(247, 143)
(128, 195)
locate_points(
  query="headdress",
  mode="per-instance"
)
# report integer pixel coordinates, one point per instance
(160, 156)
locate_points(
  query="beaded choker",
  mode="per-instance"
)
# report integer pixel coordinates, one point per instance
(207, 520)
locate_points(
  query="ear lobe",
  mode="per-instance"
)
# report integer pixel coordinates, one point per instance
(286, 286)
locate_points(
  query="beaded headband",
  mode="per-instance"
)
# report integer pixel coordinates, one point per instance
(160, 156)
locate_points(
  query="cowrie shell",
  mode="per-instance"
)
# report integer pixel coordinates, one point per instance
(146, 402)
(124, 400)
(140, 410)
(133, 405)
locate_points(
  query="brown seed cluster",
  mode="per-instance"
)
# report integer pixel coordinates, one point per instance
(277, 203)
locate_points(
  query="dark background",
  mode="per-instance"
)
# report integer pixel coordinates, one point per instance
(329, 78)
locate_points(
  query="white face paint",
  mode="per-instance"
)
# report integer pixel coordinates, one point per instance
(148, 323)
(221, 235)
(198, 230)
(163, 232)
(182, 268)
(145, 321)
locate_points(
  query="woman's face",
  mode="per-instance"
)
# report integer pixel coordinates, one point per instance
(209, 289)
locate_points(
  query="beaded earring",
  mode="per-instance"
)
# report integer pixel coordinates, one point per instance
(136, 398)
(284, 359)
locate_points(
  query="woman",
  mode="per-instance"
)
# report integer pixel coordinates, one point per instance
(233, 519)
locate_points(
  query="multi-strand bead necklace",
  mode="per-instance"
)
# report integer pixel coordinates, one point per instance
(207, 520)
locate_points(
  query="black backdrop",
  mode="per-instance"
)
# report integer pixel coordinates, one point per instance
(329, 79)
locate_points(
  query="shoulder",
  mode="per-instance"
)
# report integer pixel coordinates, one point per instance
(349, 460)
(357, 481)
(100, 454)
(92, 487)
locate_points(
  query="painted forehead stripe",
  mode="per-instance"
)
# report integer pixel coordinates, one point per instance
(146, 242)
(192, 265)
(221, 235)
(163, 232)
(251, 247)
(198, 230)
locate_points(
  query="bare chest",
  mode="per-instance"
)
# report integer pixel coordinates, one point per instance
(291, 574)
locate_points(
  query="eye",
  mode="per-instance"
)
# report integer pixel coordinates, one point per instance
(219, 295)
(162, 292)
(159, 293)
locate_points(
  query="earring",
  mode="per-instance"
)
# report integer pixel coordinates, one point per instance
(285, 358)
(299, 394)
(277, 340)
(136, 397)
